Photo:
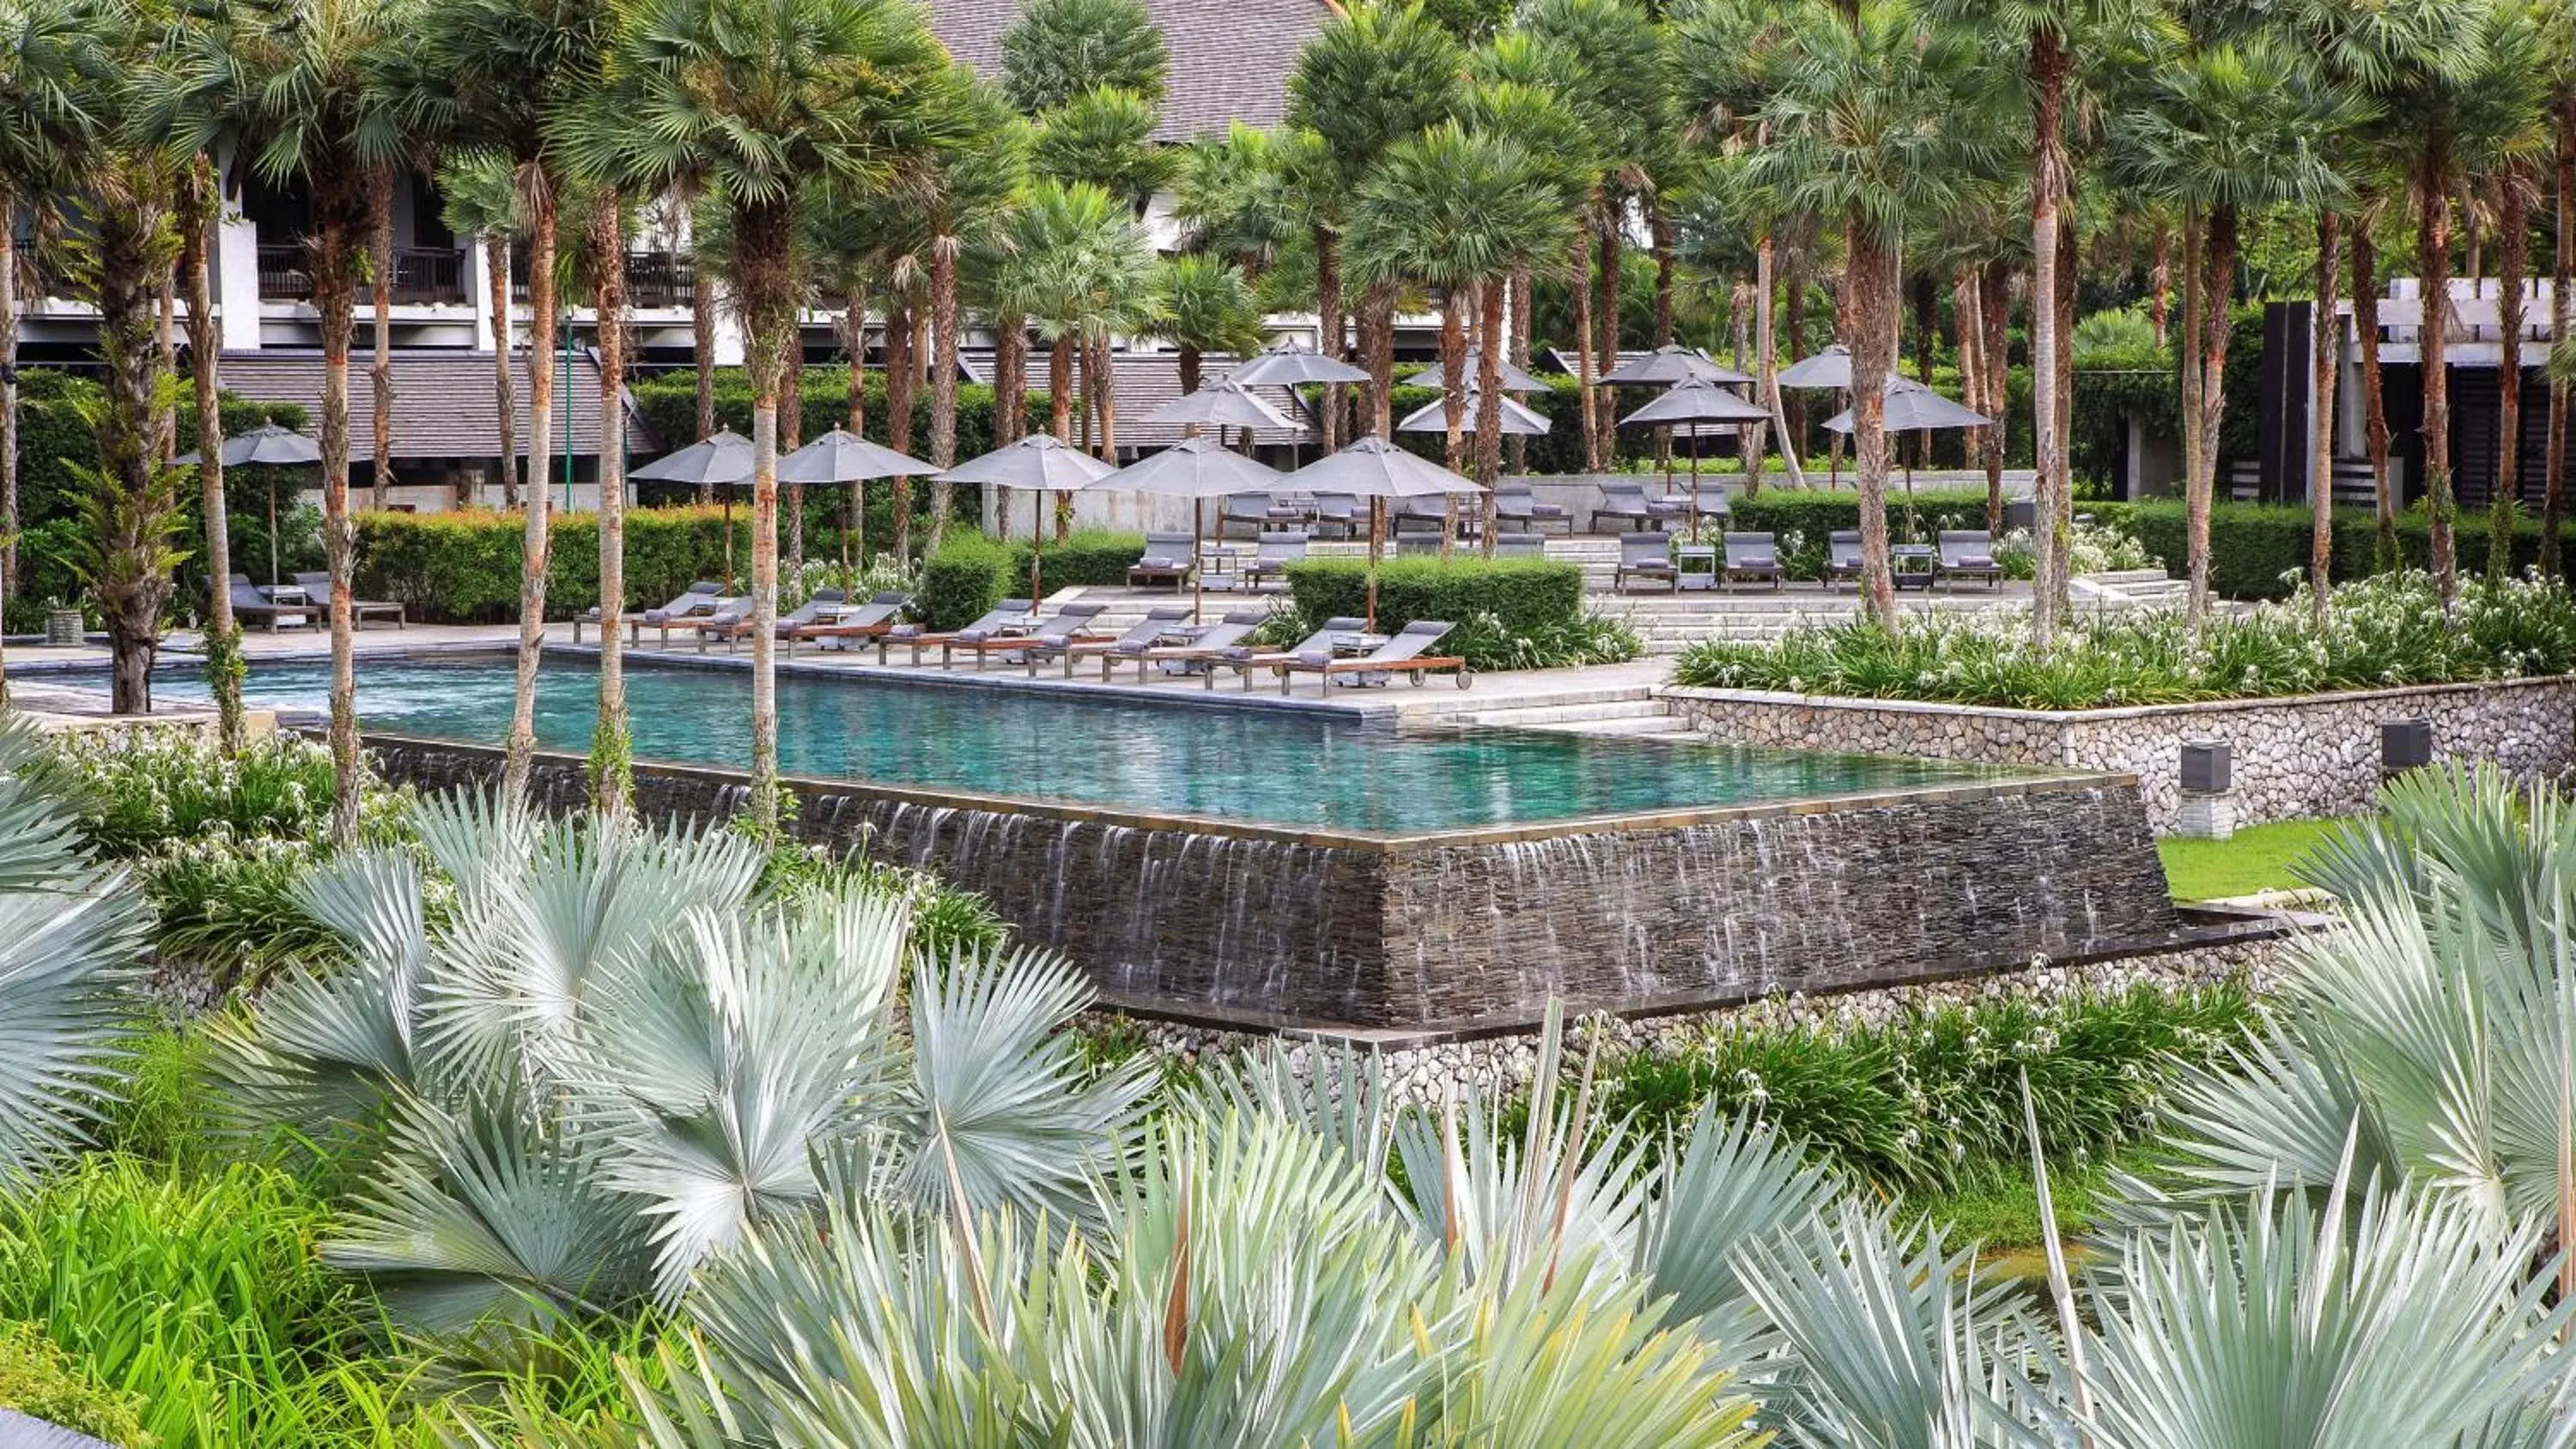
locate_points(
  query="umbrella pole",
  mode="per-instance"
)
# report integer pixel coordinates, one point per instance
(1377, 531)
(272, 533)
(728, 533)
(1198, 563)
(1694, 485)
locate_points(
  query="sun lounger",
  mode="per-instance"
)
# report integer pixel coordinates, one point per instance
(1069, 623)
(1339, 511)
(1967, 553)
(1646, 556)
(920, 637)
(871, 620)
(1246, 660)
(1258, 509)
(727, 617)
(1277, 552)
(1520, 545)
(250, 606)
(1627, 505)
(1167, 560)
(824, 604)
(1514, 503)
(1210, 643)
(697, 602)
(1842, 556)
(1157, 625)
(317, 586)
(1754, 556)
(1408, 653)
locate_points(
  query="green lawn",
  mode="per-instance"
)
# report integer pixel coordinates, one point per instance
(2257, 858)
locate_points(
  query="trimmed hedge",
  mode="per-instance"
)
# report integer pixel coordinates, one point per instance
(971, 572)
(1525, 594)
(463, 567)
(2253, 546)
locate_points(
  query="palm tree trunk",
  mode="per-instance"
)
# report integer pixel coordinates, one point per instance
(2195, 502)
(505, 389)
(2049, 65)
(2513, 262)
(1994, 315)
(1520, 330)
(2433, 265)
(2216, 320)
(854, 340)
(2374, 397)
(943, 382)
(1190, 363)
(8, 408)
(333, 299)
(2160, 284)
(1766, 347)
(702, 359)
(1060, 415)
(612, 748)
(899, 379)
(1104, 389)
(132, 511)
(791, 434)
(1489, 402)
(2060, 539)
(2325, 365)
(1581, 287)
(1379, 300)
(1328, 306)
(1605, 318)
(764, 288)
(380, 375)
(1010, 379)
(1869, 308)
(1967, 304)
(1666, 240)
(2562, 327)
(519, 755)
(200, 209)
(1453, 405)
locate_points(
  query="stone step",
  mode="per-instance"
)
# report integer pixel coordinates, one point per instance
(1658, 727)
(1553, 714)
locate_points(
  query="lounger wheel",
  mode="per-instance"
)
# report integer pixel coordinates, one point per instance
(1466, 676)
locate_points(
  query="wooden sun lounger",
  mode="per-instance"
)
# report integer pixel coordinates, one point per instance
(1398, 655)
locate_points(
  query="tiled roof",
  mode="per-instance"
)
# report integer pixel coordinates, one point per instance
(1230, 61)
(443, 404)
(1149, 380)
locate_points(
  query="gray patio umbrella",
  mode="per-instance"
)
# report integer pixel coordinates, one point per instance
(1670, 364)
(721, 460)
(1512, 378)
(1519, 419)
(267, 446)
(1914, 408)
(1222, 404)
(1376, 470)
(1289, 364)
(1196, 469)
(1040, 463)
(1830, 368)
(843, 457)
(1696, 401)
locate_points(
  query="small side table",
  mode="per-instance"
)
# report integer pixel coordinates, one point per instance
(1697, 565)
(1911, 564)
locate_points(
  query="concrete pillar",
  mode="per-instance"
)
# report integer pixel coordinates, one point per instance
(729, 340)
(236, 268)
(478, 291)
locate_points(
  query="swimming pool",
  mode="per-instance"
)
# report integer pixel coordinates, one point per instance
(1255, 766)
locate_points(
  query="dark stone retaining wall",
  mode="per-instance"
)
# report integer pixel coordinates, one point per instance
(1445, 932)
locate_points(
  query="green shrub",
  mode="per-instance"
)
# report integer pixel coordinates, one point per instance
(972, 571)
(231, 908)
(1523, 593)
(140, 789)
(38, 1379)
(1933, 1096)
(463, 566)
(2260, 550)
(2384, 632)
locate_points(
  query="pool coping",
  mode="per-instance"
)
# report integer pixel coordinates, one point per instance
(1376, 842)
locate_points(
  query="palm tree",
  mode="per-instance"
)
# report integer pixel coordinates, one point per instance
(2562, 282)
(755, 101)
(612, 747)
(2227, 129)
(1059, 50)
(291, 83)
(50, 52)
(1877, 118)
(1229, 196)
(491, 76)
(1104, 137)
(483, 203)
(1211, 309)
(1080, 268)
(200, 212)
(962, 196)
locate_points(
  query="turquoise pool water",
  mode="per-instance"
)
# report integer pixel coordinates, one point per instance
(1274, 768)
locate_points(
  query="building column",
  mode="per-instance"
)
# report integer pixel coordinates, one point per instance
(478, 290)
(236, 267)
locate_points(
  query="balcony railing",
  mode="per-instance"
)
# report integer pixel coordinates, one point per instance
(423, 276)
(653, 279)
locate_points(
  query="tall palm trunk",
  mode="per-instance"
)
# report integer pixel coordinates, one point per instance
(2374, 395)
(791, 434)
(1869, 307)
(612, 748)
(854, 341)
(702, 355)
(1666, 241)
(2053, 500)
(505, 388)
(380, 374)
(2562, 326)
(519, 755)
(1605, 318)
(1966, 307)
(943, 381)
(899, 377)
(1010, 379)
(2513, 262)
(2433, 265)
(1489, 401)
(8, 408)
(1328, 307)
(1453, 404)
(2194, 301)
(134, 508)
(1994, 315)
(334, 296)
(200, 210)
(1581, 289)
(1520, 332)
(764, 288)
(2324, 370)
(2218, 254)
(1766, 347)
(1104, 395)
(1379, 302)
(2160, 284)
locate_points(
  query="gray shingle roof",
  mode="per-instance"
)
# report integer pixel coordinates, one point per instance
(1147, 381)
(443, 405)
(1230, 61)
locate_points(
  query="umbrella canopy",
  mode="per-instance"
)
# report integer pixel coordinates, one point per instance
(1518, 420)
(1376, 468)
(1669, 364)
(1225, 403)
(1914, 408)
(1288, 364)
(266, 446)
(1512, 378)
(1195, 468)
(841, 456)
(1038, 463)
(1830, 368)
(721, 460)
(1698, 401)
